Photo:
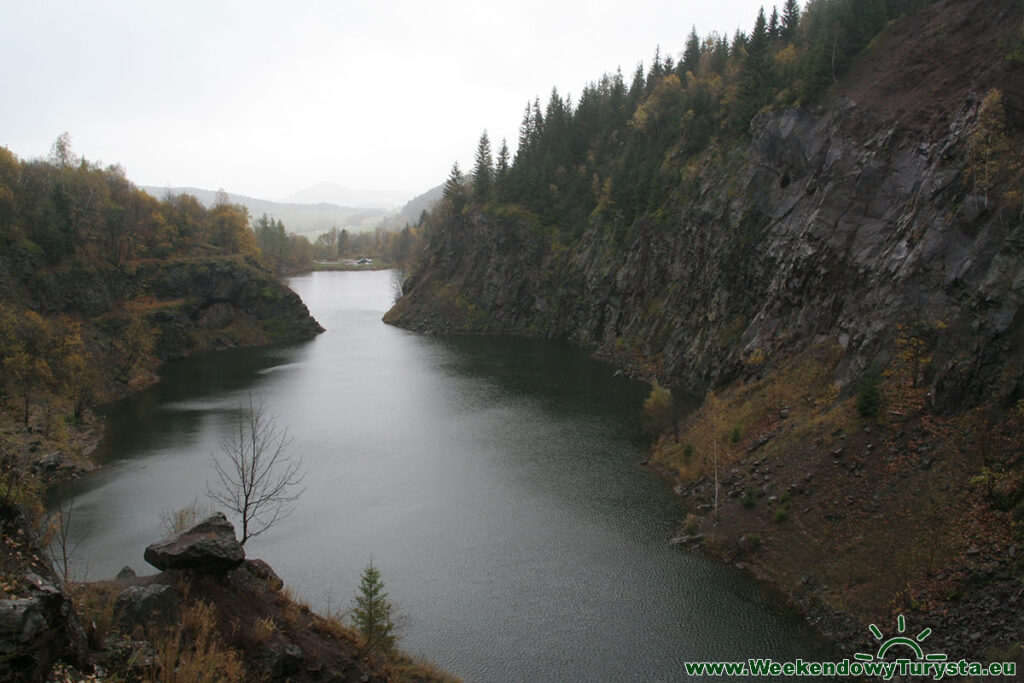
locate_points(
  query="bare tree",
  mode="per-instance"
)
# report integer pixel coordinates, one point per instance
(63, 547)
(257, 479)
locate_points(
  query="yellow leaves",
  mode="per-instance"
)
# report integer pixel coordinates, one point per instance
(755, 358)
(658, 105)
(658, 416)
(911, 358)
(229, 229)
(991, 161)
(787, 62)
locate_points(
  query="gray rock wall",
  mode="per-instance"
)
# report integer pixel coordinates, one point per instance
(833, 225)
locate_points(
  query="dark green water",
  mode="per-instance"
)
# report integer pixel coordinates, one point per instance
(494, 482)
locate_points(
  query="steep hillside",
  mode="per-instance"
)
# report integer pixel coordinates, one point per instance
(833, 221)
(845, 277)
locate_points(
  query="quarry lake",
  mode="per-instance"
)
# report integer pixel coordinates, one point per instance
(495, 482)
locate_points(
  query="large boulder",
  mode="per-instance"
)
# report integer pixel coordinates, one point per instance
(144, 605)
(209, 546)
(38, 630)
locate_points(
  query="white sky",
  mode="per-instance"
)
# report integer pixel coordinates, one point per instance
(266, 98)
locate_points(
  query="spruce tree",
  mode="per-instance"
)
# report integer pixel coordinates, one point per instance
(739, 44)
(774, 27)
(691, 55)
(483, 171)
(501, 169)
(790, 19)
(525, 134)
(756, 75)
(454, 187)
(372, 613)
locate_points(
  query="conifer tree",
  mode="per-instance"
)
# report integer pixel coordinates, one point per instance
(502, 166)
(454, 187)
(636, 88)
(525, 133)
(756, 76)
(774, 26)
(537, 126)
(372, 613)
(790, 19)
(691, 55)
(483, 171)
(739, 44)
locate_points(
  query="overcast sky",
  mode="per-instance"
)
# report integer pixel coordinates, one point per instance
(267, 98)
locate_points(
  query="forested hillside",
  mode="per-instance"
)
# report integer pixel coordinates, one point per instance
(818, 227)
(101, 281)
(676, 219)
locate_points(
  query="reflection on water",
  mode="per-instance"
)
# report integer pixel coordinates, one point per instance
(494, 481)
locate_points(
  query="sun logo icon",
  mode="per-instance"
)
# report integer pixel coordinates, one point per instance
(900, 641)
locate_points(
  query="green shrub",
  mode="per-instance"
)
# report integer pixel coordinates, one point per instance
(869, 397)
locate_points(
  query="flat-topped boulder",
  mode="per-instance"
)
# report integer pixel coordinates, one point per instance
(209, 546)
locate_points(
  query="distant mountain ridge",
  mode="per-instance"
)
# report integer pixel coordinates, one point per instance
(333, 193)
(298, 217)
(412, 211)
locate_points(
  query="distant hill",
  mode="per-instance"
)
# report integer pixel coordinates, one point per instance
(298, 217)
(410, 213)
(332, 193)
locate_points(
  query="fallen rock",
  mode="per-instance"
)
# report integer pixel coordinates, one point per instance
(262, 571)
(142, 605)
(285, 662)
(687, 539)
(126, 573)
(209, 546)
(38, 630)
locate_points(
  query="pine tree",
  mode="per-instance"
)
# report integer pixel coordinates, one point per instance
(483, 171)
(790, 19)
(739, 44)
(502, 167)
(537, 129)
(525, 134)
(657, 69)
(756, 75)
(639, 84)
(454, 187)
(691, 55)
(774, 27)
(372, 613)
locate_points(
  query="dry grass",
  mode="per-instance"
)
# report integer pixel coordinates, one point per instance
(404, 669)
(730, 421)
(263, 629)
(293, 609)
(94, 603)
(194, 651)
(147, 304)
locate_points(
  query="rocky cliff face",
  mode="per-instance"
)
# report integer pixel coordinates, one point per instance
(833, 224)
(193, 304)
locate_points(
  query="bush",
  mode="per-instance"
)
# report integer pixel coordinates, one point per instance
(869, 397)
(781, 515)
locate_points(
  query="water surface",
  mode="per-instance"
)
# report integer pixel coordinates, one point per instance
(495, 482)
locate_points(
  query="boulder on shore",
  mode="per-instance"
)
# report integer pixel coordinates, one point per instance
(209, 546)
